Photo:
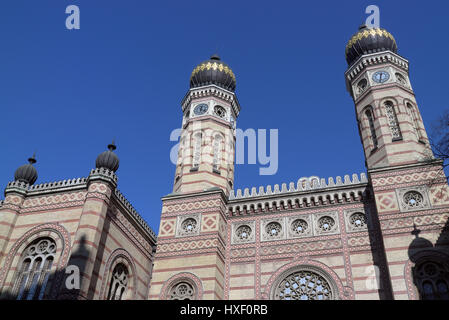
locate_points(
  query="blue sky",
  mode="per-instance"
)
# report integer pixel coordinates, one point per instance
(67, 94)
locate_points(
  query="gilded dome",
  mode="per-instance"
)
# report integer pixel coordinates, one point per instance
(369, 40)
(213, 71)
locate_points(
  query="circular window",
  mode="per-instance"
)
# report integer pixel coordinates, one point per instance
(182, 291)
(299, 226)
(413, 199)
(273, 229)
(357, 220)
(326, 224)
(189, 225)
(303, 285)
(220, 111)
(243, 233)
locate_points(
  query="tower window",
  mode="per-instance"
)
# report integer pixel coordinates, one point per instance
(217, 153)
(197, 150)
(414, 119)
(393, 121)
(369, 116)
(361, 86)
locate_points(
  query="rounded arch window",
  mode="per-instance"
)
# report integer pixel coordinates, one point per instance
(432, 280)
(32, 280)
(305, 283)
(119, 282)
(182, 291)
(361, 86)
(401, 79)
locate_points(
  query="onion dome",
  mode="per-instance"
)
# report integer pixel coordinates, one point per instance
(27, 173)
(369, 40)
(108, 159)
(213, 71)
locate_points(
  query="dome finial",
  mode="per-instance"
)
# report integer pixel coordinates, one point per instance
(108, 159)
(32, 160)
(112, 146)
(215, 57)
(27, 173)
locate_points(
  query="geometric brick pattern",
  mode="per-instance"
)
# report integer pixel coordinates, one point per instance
(167, 228)
(209, 223)
(386, 202)
(439, 195)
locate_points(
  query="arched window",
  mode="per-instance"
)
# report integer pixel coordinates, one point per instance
(305, 283)
(414, 119)
(217, 153)
(197, 140)
(34, 270)
(369, 116)
(432, 280)
(392, 121)
(119, 282)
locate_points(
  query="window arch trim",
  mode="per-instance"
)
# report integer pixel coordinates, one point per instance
(49, 230)
(416, 259)
(339, 292)
(191, 278)
(116, 257)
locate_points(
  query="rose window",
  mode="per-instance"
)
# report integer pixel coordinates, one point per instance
(326, 224)
(189, 225)
(243, 233)
(413, 199)
(299, 226)
(273, 229)
(182, 291)
(357, 220)
(303, 285)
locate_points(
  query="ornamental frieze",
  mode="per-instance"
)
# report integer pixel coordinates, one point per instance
(302, 247)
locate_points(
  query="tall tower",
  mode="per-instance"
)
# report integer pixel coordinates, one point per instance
(410, 189)
(190, 254)
(206, 149)
(390, 124)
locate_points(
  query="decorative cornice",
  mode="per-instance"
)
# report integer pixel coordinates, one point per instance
(133, 213)
(374, 59)
(211, 90)
(316, 185)
(103, 174)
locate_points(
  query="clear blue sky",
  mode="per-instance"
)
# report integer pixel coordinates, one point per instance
(67, 94)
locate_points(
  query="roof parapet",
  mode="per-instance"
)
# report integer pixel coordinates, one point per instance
(301, 185)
